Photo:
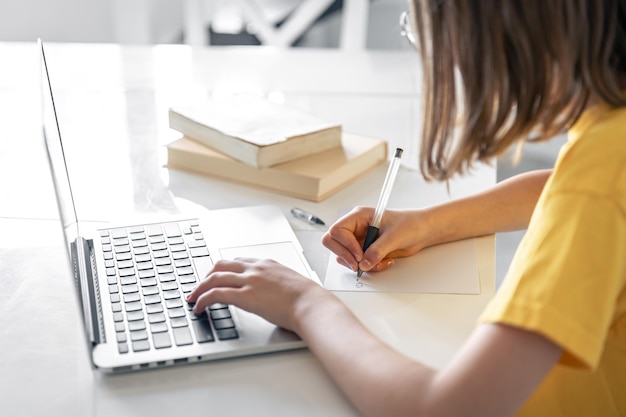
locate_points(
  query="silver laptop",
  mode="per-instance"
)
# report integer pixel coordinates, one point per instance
(131, 279)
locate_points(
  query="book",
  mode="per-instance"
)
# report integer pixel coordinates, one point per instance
(255, 131)
(313, 177)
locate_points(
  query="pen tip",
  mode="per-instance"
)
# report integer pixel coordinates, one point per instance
(359, 273)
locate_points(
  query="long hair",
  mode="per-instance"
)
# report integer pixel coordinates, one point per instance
(502, 72)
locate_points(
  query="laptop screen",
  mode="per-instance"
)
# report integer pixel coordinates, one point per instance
(56, 155)
(77, 251)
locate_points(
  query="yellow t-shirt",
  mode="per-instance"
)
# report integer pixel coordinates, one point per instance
(567, 280)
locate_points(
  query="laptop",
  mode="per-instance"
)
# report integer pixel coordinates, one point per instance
(131, 279)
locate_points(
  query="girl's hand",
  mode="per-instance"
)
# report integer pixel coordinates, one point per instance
(263, 287)
(402, 233)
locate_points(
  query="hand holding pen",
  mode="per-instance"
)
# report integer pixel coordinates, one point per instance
(373, 229)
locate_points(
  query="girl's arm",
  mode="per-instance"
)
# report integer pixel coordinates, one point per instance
(493, 374)
(505, 207)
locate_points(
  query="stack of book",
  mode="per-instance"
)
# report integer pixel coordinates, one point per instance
(252, 141)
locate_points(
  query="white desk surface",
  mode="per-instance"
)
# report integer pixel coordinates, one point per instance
(112, 104)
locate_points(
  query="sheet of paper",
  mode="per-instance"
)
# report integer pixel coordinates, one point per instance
(450, 268)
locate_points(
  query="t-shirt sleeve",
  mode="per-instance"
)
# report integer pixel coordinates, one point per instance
(567, 275)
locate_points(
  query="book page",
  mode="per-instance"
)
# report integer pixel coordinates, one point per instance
(254, 119)
(451, 268)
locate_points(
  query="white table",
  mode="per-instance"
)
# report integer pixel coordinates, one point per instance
(112, 103)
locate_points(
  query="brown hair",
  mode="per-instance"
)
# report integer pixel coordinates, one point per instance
(501, 72)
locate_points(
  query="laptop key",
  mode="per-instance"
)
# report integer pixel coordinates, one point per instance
(122, 347)
(168, 286)
(174, 303)
(171, 229)
(167, 277)
(182, 262)
(196, 243)
(126, 272)
(133, 296)
(146, 273)
(154, 230)
(148, 282)
(187, 279)
(156, 239)
(152, 299)
(156, 318)
(227, 334)
(198, 252)
(141, 345)
(162, 261)
(179, 322)
(182, 336)
(126, 263)
(179, 255)
(117, 233)
(222, 313)
(120, 241)
(137, 325)
(154, 308)
(158, 327)
(143, 258)
(187, 288)
(150, 290)
(123, 256)
(128, 280)
(223, 324)
(138, 335)
(137, 236)
(175, 240)
(165, 269)
(134, 315)
(168, 295)
(176, 312)
(126, 289)
(178, 248)
(144, 250)
(184, 270)
(161, 340)
(203, 332)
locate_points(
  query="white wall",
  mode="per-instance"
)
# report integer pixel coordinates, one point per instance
(128, 21)
(155, 21)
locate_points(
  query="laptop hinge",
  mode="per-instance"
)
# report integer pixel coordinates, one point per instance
(86, 276)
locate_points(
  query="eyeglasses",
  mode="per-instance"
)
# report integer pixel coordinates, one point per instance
(406, 28)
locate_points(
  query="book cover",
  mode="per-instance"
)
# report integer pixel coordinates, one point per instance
(255, 131)
(313, 177)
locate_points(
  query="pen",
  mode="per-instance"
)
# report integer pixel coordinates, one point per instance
(372, 230)
(306, 216)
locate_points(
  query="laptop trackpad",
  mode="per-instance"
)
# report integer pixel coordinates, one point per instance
(282, 252)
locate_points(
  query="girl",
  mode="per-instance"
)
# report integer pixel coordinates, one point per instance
(553, 340)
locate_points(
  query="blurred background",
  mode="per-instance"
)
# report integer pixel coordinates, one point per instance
(348, 24)
(312, 23)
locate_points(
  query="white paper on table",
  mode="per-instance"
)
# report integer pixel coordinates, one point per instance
(450, 268)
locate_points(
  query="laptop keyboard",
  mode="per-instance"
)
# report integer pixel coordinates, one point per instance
(150, 269)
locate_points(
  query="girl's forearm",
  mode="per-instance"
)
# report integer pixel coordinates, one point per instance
(506, 207)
